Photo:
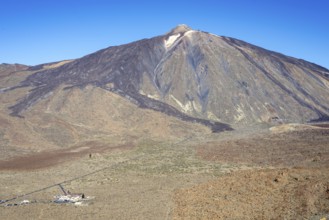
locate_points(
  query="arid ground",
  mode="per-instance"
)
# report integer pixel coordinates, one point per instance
(280, 172)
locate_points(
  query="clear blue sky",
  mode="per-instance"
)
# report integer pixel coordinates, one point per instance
(40, 31)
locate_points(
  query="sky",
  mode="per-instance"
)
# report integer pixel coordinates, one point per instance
(41, 31)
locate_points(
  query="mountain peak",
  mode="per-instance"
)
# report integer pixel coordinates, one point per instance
(181, 28)
(194, 77)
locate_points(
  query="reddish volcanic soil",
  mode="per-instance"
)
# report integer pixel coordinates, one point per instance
(51, 158)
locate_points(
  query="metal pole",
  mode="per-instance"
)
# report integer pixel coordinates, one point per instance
(62, 188)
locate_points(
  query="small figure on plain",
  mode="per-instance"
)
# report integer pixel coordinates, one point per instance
(89, 155)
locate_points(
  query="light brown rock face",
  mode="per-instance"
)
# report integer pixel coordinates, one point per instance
(87, 119)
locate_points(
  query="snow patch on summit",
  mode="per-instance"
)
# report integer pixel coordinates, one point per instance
(171, 40)
(189, 33)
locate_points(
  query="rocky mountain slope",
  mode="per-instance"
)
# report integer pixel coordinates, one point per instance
(196, 73)
(194, 76)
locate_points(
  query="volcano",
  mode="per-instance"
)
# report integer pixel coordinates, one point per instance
(185, 76)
